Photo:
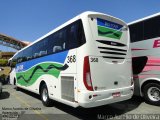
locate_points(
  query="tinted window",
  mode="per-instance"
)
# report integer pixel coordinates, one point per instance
(56, 42)
(69, 37)
(40, 48)
(145, 30)
(19, 57)
(136, 32)
(152, 28)
(27, 54)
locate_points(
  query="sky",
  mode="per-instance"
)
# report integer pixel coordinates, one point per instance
(28, 20)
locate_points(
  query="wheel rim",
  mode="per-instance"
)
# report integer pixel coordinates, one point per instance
(154, 94)
(45, 94)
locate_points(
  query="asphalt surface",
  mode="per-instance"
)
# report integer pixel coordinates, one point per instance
(24, 105)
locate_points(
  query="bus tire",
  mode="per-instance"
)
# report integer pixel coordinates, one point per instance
(17, 88)
(151, 93)
(44, 96)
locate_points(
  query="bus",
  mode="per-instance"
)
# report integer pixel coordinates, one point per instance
(84, 62)
(145, 44)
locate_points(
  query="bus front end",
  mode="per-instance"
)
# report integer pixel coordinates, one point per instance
(107, 71)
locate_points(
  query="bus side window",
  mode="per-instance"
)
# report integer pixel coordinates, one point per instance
(42, 53)
(29, 58)
(57, 49)
(19, 60)
(36, 55)
(72, 36)
(64, 46)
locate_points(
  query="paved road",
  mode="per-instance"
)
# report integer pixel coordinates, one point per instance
(29, 106)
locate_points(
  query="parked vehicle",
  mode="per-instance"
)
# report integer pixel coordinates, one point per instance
(145, 43)
(84, 62)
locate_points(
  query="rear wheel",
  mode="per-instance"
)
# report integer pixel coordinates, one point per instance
(17, 88)
(152, 93)
(44, 96)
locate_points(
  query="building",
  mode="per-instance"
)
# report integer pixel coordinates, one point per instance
(6, 55)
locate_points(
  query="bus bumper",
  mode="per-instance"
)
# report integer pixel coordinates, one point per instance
(99, 98)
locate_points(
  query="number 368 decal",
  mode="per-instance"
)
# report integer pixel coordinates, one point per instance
(93, 59)
(71, 59)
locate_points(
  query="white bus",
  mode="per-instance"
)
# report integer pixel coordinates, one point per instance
(145, 43)
(84, 62)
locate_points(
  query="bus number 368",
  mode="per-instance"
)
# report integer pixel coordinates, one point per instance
(94, 59)
(71, 59)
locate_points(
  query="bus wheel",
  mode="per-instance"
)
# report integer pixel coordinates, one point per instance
(152, 93)
(17, 88)
(44, 96)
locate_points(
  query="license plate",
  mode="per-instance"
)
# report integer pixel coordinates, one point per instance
(117, 94)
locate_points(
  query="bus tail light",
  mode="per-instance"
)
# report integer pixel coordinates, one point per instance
(87, 74)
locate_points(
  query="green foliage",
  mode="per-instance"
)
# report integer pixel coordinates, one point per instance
(3, 62)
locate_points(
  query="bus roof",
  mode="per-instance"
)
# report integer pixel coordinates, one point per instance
(144, 18)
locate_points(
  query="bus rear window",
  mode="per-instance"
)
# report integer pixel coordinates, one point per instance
(109, 29)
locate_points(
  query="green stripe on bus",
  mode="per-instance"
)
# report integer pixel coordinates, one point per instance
(107, 32)
(30, 76)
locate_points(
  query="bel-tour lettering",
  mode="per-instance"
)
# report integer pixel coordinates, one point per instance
(111, 25)
(156, 43)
